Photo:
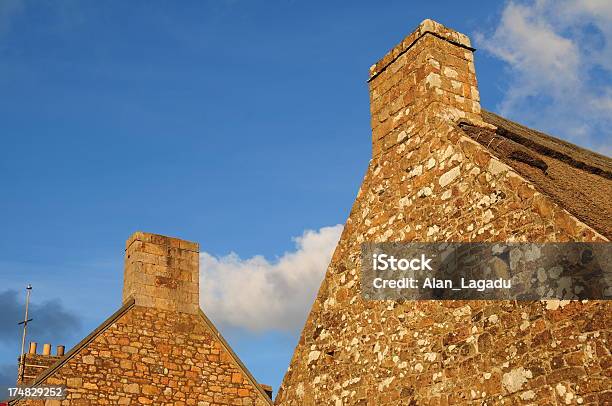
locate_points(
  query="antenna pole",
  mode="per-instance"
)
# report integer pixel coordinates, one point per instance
(23, 338)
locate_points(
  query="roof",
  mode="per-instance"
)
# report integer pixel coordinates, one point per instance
(577, 179)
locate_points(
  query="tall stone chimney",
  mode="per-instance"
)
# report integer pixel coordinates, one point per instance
(162, 272)
(431, 72)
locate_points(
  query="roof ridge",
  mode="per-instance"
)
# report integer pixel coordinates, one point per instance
(529, 138)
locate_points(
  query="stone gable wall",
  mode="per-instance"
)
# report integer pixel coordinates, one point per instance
(427, 181)
(153, 357)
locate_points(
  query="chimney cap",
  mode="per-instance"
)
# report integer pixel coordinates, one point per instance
(426, 26)
(434, 27)
(162, 240)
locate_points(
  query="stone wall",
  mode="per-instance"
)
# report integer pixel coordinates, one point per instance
(153, 357)
(427, 181)
(34, 365)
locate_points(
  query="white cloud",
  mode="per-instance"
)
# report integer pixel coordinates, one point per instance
(258, 294)
(559, 55)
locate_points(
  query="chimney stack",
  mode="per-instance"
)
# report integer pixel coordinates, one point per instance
(32, 350)
(430, 73)
(34, 364)
(46, 349)
(162, 272)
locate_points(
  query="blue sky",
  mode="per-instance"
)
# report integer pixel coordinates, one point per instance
(241, 125)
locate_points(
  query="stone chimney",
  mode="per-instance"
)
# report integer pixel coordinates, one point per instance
(430, 71)
(35, 364)
(162, 272)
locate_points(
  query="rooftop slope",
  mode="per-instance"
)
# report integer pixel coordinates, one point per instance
(577, 179)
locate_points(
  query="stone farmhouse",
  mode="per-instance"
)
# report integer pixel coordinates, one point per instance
(442, 169)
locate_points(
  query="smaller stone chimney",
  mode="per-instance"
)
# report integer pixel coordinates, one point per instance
(33, 347)
(35, 364)
(162, 272)
(46, 349)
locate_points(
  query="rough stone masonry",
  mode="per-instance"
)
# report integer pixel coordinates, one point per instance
(428, 181)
